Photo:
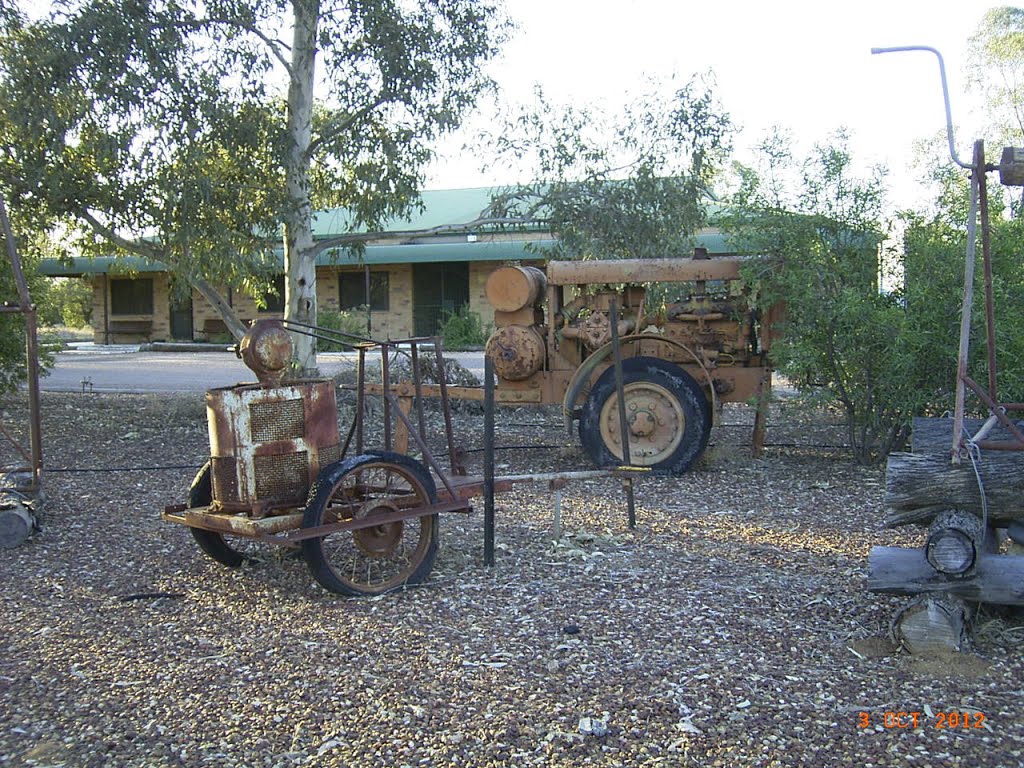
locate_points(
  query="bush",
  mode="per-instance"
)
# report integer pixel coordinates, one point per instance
(64, 301)
(463, 329)
(347, 323)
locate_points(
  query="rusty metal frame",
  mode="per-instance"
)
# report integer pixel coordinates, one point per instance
(988, 396)
(34, 453)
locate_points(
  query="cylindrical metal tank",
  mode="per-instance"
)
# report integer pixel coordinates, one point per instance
(509, 289)
(517, 351)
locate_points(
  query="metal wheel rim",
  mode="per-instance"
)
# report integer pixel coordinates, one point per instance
(657, 423)
(381, 558)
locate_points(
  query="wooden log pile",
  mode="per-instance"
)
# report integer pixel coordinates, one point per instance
(967, 507)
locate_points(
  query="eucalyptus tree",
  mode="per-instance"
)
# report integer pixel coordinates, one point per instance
(205, 134)
(630, 182)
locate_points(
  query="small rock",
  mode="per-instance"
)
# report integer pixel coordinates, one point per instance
(592, 726)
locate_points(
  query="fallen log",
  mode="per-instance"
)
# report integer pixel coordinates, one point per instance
(935, 435)
(996, 579)
(918, 487)
(930, 623)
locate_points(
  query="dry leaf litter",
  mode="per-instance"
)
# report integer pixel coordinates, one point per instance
(730, 628)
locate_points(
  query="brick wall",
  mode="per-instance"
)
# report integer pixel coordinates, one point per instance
(395, 323)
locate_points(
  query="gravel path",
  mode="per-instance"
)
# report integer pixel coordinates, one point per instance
(731, 628)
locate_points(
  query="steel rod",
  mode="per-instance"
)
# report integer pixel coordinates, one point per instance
(627, 458)
(488, 461)
(986, 262)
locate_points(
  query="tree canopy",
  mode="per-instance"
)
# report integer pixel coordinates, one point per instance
(632, 183)
(193, 134)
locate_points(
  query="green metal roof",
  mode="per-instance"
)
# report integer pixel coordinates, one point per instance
(440, 207)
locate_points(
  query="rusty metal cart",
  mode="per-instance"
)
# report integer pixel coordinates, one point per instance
(280, 472)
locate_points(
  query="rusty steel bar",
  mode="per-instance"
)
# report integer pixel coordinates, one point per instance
(488, 485)
(428, 457)
(417, 381)
(996, 410)
(442, 383)
(360, 398)
(986, 261)
(31, 350)
(642, 270)
(367, 522)
(385, 353)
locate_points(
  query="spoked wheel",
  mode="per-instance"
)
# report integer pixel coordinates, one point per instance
(378, 558)
(231, 551)
(668, 417)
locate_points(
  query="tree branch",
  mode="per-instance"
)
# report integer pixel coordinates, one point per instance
(273, 45)
(333, 129)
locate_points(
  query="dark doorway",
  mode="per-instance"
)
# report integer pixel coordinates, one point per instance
(437, 291)
(181, 319)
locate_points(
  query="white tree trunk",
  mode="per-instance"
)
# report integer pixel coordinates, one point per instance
(299, 250)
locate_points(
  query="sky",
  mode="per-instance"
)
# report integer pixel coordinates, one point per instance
(804, 65)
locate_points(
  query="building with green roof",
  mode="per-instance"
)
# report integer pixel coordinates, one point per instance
(409, 282)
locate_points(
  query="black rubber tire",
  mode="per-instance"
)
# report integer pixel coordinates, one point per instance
(200, 494)
(669, 381)
(415, 479)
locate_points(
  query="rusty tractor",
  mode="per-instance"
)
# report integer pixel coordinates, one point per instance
(682, 357)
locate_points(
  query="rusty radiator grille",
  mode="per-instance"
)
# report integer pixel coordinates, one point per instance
(329, 454)
(225, 478)
(277, 420)
(282, 476)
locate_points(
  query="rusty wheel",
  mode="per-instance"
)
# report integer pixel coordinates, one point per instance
(230, 551)
(377, 558)
(668, 415)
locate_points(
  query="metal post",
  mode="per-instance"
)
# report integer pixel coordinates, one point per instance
(360, 398)
(627, 459)
(31, 349)
(385, 380)
(488, 461)
(968, 302)
(986, 262)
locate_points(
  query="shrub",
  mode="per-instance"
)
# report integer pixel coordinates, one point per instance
(463, 329)
(346, 323)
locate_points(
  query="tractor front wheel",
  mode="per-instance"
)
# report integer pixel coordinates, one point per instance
(667, 415)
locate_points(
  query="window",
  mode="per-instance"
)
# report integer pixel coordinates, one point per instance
(273, 301)
(131, 297)
(352, 291)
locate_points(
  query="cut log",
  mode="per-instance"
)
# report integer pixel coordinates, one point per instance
(956, 539)
(996, 579)
(935, 435)
(930, 623)
(16, 525)
(918, 487)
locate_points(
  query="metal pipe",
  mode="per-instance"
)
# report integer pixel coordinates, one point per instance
(627, 459)
(385, 376)
(446, 408)
(986, 261)
(488, 461)
(945, 92)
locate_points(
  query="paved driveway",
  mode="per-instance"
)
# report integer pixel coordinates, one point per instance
(126, 369)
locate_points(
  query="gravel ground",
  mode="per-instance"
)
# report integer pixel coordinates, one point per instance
(730, 628)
